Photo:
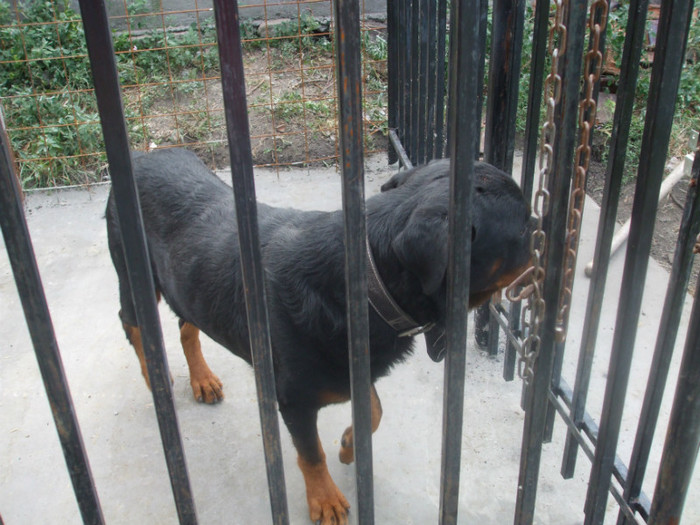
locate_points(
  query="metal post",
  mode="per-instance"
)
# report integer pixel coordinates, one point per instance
(350, 103)
(665, 341)
(555, 225)
(501, 112)
(233, 84)
(674, 22)
(463, 130)
(392, 29)
(683, 437)
(104, 74)
(36, 312)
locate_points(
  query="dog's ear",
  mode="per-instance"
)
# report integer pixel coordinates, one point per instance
(422, 246)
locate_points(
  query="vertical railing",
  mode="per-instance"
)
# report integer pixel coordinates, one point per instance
(499, 133)
(348, 67)
(237, 129)
(464, 129)
(106, 81)
(668, 62)
(36, 312)
(608, 218)
(683, 437)
(417, 40)
(420, 23)
(566, 112)
(665, 343)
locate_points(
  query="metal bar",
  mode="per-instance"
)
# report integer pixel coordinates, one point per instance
(513, 328)
(483, 29)
(398, 148)
(589, 428)
(237, 128)
(537, 75)
(504, 77)
(441, 70)
(414, 101)
(666, 338)
(422, 106)
(36, 312)
(501, 111)
(559, 348)
(104, 74)
(463, 125)
(405, 98)
(348, 64)
(577, 199)
(566, 115)
(534, 103)
(431, 78)
(400, 39)
(562, 408)
(502, 317)
(634, 41)
(665, 78)
(392, 29)
(683, 437)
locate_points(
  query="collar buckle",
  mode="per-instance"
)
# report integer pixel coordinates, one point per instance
(417, 330)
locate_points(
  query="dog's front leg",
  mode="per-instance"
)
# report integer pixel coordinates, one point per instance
(206, 387)
(327, 504)
(347, 452)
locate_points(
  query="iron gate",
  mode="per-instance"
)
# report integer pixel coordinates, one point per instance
(568, 88)
(421, 129)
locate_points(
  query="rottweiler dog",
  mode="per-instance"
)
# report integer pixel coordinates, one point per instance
(190, 223)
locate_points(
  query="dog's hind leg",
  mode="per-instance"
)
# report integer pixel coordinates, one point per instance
(133, 332)
(327, 504)
(127, 314)
(206, 387)
(347, 454)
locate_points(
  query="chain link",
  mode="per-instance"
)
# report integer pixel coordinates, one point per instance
(533, 311)
(587, 114)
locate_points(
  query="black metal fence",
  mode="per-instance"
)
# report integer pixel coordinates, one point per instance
(421, 83)
(557, 155)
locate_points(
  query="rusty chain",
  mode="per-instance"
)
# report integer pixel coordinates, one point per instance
(533, 311)
(587, 113)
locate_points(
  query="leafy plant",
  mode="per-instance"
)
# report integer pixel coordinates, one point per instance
(46, 83)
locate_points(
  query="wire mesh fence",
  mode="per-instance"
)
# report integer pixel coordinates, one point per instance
(171, 88)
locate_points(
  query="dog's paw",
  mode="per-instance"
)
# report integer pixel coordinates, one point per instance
(330, 508)
(347, 453)
(207, 388)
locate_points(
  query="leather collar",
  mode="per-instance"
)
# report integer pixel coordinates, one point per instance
(384, 304)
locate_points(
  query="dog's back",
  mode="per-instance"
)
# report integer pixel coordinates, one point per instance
(189, 217)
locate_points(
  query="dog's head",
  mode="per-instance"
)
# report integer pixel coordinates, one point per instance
(501, 229)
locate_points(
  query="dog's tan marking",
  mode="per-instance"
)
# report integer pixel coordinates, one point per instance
(328, 397)
(133, 334)
(206, 387)
(327, 505)
(347, 454)
(495, 267)
(508, 277)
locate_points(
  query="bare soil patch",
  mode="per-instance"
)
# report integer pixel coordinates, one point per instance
(668, 216)
(292, 110)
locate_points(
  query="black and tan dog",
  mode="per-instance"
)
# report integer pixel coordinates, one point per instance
(191, 230)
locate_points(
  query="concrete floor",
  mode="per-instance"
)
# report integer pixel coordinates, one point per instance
(222, 443)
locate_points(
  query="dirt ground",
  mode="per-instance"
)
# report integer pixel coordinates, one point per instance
(292, 109)
(668, 216)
